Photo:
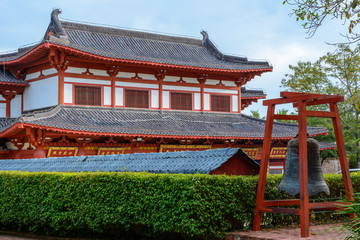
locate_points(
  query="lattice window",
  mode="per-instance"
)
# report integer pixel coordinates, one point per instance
(181, 101)
(85, 95)
(136, 98)
(220, 103)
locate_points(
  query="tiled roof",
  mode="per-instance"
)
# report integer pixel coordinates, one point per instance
(326, 145)
(141, 122)
(142, 46)
(6, 122)
(189, 162)
(7, 78)
(248, 93)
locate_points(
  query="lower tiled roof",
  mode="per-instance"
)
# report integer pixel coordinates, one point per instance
(7, 78)
(189, 162)
(141, 122)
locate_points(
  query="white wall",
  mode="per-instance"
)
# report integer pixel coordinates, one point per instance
(15, 106)
(107, 96)
(119, 96)
(235, 103)
(2, 109)
(68, 93)
(154, 99)
(42, 93)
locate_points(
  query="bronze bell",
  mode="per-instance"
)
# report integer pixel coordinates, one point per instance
(290, 182)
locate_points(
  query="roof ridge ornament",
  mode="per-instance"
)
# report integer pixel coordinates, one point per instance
(55, 31)
(205, 37)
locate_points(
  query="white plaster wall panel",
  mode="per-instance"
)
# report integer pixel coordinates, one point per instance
(137, 85)
(97, 72)
(206, 101)
(225, 91)
(147, 76)
(75, 70)
(107, 95)
(197, 101)
(190, 80)
(171, 78)
(89, 81)
(212, 81)
(68, 93)
(179, 88)
(42, 93)
(125, 75)
(1, 98)
(229, 83)
(235, 103)
(166, 99)
(154, 98)
(15, 106)
(2, 109)
(49, 71)
(119, 96)
(32, 75)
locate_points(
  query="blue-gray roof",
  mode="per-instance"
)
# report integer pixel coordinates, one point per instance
(144, 122)
(141, 46)
(7, 78)
(189, 162)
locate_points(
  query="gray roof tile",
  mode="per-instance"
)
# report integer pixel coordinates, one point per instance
(154, 122)
(7, 78)
(189, 162)
(141, 46)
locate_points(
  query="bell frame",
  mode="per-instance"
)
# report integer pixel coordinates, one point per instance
(300, 100)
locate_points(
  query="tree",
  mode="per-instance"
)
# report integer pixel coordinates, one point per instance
(335, 73)
(256, 114)
(314, 12)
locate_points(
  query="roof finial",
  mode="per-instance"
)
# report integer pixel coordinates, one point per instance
(205, 37)
(55, 14)
(55, 26)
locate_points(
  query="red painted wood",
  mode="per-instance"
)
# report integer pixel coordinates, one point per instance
(263, 167)
(303, 172)
(236, 165)
(342, 153)
(301, 100)
(61, 87)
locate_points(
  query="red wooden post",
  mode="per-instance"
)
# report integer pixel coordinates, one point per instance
(263, 167)
(300, 100)
(342, 152)
(303, 172)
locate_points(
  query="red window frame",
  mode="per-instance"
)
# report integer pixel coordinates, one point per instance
(87, 95)
(220, 103)
(135, 98)
(181, 101)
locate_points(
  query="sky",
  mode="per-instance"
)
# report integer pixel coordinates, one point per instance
(257, 29)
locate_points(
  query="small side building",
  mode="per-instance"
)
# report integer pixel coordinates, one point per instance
(229, 161)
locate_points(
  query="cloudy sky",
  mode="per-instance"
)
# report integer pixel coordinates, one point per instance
(257, 29)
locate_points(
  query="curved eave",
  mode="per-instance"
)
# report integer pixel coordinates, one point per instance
(14, 84)
(39, 50)
(253, 98)
(19, 126)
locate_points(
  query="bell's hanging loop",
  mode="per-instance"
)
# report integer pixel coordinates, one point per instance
(290, 182)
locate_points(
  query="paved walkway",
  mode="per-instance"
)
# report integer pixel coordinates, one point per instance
(320, 232)
(328, 232)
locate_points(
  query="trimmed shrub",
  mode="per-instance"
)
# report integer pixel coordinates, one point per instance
(164, 206)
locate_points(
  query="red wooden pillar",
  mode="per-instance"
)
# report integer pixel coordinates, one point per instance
(303, 172)
(342, 152)
(263, 167)
(61, 86)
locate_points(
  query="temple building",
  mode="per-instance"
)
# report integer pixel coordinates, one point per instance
(94, 90)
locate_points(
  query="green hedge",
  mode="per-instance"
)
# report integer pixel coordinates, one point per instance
(134, 204)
